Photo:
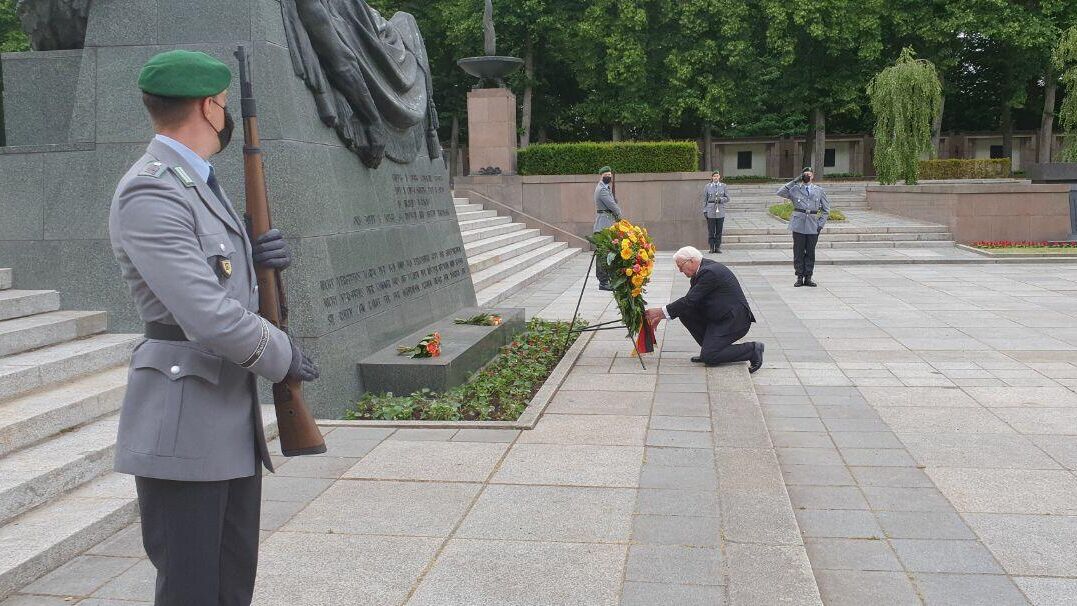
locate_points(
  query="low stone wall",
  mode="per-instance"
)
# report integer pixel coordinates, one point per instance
(973, 212)
(667, 203)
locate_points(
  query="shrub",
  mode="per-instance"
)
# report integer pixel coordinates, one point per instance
(965, 169)
(498, 392)
(624, 157)
(750, 179)
(785, 210)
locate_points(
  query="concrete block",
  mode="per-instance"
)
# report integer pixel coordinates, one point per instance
(21, 303)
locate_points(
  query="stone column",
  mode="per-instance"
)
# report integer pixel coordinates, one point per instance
(491, 128)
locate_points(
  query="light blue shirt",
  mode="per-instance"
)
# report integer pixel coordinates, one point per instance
(200, 166)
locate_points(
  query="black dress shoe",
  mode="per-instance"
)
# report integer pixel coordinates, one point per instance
(757, 360)
(800, 282)
(718, 250)
(697, 359)
(808, 282)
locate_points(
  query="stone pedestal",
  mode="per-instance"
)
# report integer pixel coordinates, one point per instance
(378, 252)
(491, 127)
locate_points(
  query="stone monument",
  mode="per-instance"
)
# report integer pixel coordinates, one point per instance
(491, 112)
(355, 175)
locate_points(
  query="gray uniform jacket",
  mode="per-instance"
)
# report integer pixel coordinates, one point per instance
(715, 198)
(606, 208)
(191, 410)
(810, 198)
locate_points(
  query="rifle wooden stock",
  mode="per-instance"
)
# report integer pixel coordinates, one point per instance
(299, 434)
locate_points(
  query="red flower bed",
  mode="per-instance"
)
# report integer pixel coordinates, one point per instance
(1024, 244)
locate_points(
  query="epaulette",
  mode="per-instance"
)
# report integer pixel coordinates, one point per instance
(183, 176)
(153, 169)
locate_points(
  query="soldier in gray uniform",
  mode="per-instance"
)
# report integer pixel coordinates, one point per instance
(191, 428)
(607, 212)
(810, 211)
(715, 199)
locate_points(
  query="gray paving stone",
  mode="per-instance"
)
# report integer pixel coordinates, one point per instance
(125, 543)
(282, 488)
(674, 565)
(434, 461)
(801, 439)
(357, 434)
(348, 446)
(276, 513)
(679, 439)
(676, 530)
(38, 600)
(795, 424)
(1046, 591)
(522, 573)
(667, 502)
(545, 513)
(891, 476)
(607, 430)
(923, 525)
(849, 524)
(942, 420)
(1008, 490)
(681, 478)
(1029, 545)
(860, 425)
(316, 467)
(681, 405)
(370, 570)
(877, 457)
(423, 435)
(817, 475)
(809, 456)
(761, 574)
(988, 451)
(680, 423)
(968, 590)
(80, 576)
(679, 457)
(386, 508)
(851, 554)
(105, 602)
(826, 497)
(885, 498)
(806, 411)
(866, 439)
(945, 556)
(572, 465)
(649, 594)
(859, 588)
(135, 584)
(486, 435)
(600, 403)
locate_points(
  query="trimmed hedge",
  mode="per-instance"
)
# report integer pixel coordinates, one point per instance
(624, 157)
(965, 169)
(784, 211)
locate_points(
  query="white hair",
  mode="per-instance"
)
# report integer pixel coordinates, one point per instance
(688, 253)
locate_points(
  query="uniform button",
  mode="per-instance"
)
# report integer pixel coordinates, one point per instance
(174, 370)
(222, 246)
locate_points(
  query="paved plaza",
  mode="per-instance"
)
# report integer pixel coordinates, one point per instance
(911, 439)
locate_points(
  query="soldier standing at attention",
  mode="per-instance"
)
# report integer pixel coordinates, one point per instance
(811, 208)
(191, 427)
(607, 212)
(715, 199)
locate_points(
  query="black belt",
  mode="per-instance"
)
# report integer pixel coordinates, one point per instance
(806, 212)
(604, 212)
(164, 332)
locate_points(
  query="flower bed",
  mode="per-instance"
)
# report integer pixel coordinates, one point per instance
(1004, 246)
(785, 211)
(498, 392)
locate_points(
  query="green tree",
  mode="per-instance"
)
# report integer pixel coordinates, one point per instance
(1065, 62)
(11, 40)
(906, 98)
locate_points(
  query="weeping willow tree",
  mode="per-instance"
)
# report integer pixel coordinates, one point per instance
(1065, 58)
(906, 98)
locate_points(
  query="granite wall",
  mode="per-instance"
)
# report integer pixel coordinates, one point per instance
(378, 252)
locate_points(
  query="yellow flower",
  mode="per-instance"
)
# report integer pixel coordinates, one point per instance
(637, 281)
(626, 254)
(628, 271)
(635, 292)
(643, 255)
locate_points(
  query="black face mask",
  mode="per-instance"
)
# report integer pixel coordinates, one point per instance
(224, 136)
(607, 180)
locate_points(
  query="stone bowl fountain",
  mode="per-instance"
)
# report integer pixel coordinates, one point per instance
(490, 67)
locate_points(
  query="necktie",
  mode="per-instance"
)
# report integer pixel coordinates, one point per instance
(214, 185)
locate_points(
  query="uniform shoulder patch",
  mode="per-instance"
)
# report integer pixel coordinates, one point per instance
(183, 176)
(153, 169)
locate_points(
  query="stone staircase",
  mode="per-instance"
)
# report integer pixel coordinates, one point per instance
(503, 256)
(62, 380)
(760, 196)
(837, 236)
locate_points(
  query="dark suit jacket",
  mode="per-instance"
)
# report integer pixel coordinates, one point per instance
(716, 297)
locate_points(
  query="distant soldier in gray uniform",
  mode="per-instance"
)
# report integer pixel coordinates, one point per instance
(607, 212)
(810, 211)
(715, 199)
(191, 427)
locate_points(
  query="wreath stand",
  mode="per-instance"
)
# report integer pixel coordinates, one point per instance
(610, 325)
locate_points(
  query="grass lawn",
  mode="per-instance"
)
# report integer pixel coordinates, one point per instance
(784, 211)
(1031, 250)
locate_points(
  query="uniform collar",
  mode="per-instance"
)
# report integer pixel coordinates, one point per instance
(200, 166)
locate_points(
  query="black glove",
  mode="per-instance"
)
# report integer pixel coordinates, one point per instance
(270, 250)
(302, 368)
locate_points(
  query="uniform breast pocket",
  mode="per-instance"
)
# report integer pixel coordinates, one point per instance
(220, 254)
(166, 382)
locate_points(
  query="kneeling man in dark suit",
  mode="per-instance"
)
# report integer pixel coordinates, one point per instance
(715, 311)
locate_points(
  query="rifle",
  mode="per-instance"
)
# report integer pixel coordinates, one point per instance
(299, 434)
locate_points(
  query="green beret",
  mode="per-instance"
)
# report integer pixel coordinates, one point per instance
(184, 74)
(807, 169)
(605, 169)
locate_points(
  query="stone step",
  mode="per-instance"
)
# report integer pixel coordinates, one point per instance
(467, 208)
(842, 237)
(42, 539)
(25, 372)
(33, 476)
(489, 259)
(33, 417)
(5, 278)
(831, 244)
(23, 334)
(475, 215)
(456, 200)
(499, 291)
(491, 275)
(483, 233)
(481, 223)
(834, 227)
(477, 247)
(22, 303)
